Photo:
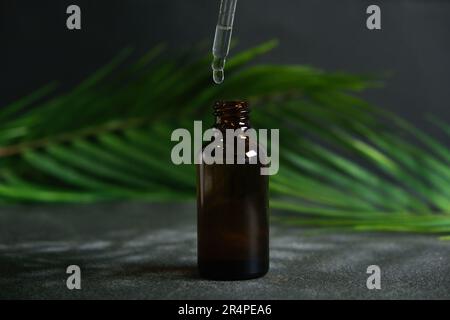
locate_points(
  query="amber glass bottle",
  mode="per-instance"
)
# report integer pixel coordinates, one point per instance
(233, 226)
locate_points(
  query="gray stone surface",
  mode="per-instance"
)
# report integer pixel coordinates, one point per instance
(141, 251)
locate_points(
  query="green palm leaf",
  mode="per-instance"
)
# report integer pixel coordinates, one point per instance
(341, 166)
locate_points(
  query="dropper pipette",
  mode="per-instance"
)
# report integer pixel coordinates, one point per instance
(222, 39)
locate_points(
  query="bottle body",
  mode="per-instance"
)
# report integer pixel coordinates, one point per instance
(233, 221)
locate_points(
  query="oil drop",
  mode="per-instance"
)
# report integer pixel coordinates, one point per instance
(218, 67)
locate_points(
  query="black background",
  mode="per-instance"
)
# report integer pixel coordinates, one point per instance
(413, 46)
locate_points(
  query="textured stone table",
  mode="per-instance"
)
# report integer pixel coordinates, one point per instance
(142, 251)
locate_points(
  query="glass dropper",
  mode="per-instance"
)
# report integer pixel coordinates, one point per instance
(222, 39)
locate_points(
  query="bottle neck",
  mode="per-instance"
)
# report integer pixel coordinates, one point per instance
(232, 115)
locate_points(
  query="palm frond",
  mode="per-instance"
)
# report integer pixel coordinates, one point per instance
(344, 163)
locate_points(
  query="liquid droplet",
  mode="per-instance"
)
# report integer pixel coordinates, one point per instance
(218, 76)
(218, 66)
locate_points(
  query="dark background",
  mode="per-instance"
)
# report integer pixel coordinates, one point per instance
(414, 44)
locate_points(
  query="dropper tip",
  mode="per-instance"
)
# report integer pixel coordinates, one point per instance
(218, 67)
(218, 76)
